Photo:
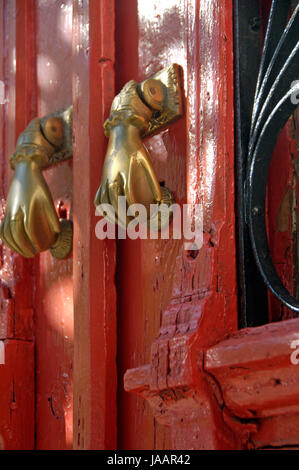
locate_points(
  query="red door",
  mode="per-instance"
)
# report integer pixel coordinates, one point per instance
(36, 69)
(133, 344)
(168, 296)
(50, 59)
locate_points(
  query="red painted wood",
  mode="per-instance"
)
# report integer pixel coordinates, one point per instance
(29, 95)
(94, 260)
(54, 278)
(17, 396)
(20, 108)
(194, 381)
(283, 209)
(282, 220)
(173, 305)
(16, 318)
(278, 432)
(257, 374)
(241, 392)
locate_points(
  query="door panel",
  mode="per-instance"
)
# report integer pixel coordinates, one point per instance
(152, 37)
(95, 405)
(54, 278)
(45, 67)
(172, 303)
(283, 217)
(17, 399)
(168, 297)
(36, 295)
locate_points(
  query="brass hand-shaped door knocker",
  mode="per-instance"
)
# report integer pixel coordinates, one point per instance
(139, 110)
(31, 224)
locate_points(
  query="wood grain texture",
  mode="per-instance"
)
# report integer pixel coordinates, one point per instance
(17, 398)
(94, 260)
(282, 214)
(176, 303)
(54, 283)
(259, 382)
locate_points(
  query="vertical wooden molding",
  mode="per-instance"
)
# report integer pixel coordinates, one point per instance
(26, 85)
(17, 393)
(203, 309)
(95, 380)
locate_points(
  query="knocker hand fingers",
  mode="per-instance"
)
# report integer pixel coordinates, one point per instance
(6, 236)
(20, 237)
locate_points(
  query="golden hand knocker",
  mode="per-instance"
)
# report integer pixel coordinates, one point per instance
(137, 111)
(31, 224)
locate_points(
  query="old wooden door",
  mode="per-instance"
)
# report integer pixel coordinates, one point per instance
(36, 70)
(131, 344)
(68, 384)
(172, 303)
(46, 67)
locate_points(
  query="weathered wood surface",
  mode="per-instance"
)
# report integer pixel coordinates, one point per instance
(54, 278)
(174, 303)
(17, 400)
(95, 401)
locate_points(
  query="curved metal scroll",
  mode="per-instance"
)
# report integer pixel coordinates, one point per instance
(274, 103)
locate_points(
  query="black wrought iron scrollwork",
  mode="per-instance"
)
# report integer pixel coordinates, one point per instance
(276, 98)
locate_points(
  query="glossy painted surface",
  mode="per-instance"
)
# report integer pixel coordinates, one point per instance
(283, 216)
(17, 400)
(95, 404)
(41, 305)
(189, 296)
(54, 284)
(182, 367)
(256, 371)
(40, 73)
